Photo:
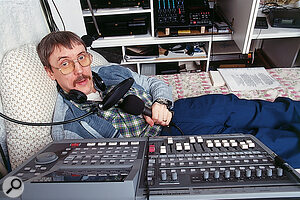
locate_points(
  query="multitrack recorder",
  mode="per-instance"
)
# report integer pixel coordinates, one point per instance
(233, 166)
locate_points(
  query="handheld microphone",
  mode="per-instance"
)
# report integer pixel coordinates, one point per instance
(135, 106)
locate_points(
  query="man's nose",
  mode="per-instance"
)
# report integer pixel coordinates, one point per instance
(78, 69)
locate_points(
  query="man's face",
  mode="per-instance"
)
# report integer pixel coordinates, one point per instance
(80, 79)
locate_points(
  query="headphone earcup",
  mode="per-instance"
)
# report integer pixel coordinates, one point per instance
(77, 96)
(74, 95)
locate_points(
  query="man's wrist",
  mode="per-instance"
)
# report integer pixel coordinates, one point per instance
(164, 102)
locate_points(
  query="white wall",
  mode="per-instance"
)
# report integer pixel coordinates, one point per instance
(21, 22)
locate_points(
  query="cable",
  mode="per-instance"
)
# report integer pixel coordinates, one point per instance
(62, 21)
(5, 162)
(93, 17)
(48, 15)
(46, 124)
(146, 174)
(177, 127)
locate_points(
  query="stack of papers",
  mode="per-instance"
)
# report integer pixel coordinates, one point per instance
(240, 79)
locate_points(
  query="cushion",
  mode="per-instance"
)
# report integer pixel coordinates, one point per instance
(28, 94)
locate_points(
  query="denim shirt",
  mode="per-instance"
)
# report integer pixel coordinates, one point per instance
(94, 126)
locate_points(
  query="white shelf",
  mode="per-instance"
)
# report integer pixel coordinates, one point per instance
(274, 32)
(115, 11)
(147, 39)
(166, 59)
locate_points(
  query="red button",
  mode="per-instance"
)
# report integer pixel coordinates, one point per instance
(75, 144)
(151, 148)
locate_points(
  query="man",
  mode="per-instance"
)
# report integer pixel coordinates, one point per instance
(64, 55)
(66, 60)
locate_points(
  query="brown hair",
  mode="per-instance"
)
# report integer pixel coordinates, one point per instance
(47, 45)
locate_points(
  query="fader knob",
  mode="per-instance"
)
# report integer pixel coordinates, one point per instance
(258, 173)
(206, 175)
(248, 173)
(237, 173)
(269, 172)
(227, 174)
(174, 176)
(163, 176)
(217, 174)
(279, 172)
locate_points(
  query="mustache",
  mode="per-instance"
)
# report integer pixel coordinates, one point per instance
(80, 78)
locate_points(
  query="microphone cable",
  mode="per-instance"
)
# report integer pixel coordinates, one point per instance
(177, 127)
(92, 111)
(5, 161)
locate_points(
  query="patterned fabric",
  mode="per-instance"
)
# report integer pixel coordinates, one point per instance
(27, 95)
(197, 84)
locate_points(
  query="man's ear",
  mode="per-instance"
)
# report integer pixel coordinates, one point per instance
(49, 72)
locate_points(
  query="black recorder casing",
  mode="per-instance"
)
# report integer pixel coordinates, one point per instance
(98, 4)
(284, 18)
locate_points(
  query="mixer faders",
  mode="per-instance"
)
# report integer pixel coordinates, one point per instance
(204, 166)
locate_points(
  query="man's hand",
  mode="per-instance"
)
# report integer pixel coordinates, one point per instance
(160, 115)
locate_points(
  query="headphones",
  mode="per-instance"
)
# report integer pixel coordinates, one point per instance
(78, 96)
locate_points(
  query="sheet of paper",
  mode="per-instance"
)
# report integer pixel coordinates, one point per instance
(239, 79)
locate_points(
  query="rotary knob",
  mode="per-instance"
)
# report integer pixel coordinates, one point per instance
(46, 158)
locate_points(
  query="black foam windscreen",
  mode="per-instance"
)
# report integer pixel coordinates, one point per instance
(117, 93)
(132, 105)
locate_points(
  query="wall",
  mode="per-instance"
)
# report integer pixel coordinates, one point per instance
(21, 22)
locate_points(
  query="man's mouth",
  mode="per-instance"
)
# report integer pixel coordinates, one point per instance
(81, 80)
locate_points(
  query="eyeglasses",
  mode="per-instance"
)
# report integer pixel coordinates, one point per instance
(68, 66)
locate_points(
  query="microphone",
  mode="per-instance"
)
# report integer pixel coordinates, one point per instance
(135, 106)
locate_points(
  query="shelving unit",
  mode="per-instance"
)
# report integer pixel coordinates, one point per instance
(271, 32)
(241, 15)
(281, 45)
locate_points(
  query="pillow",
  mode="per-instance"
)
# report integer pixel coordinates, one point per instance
(28, 94)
